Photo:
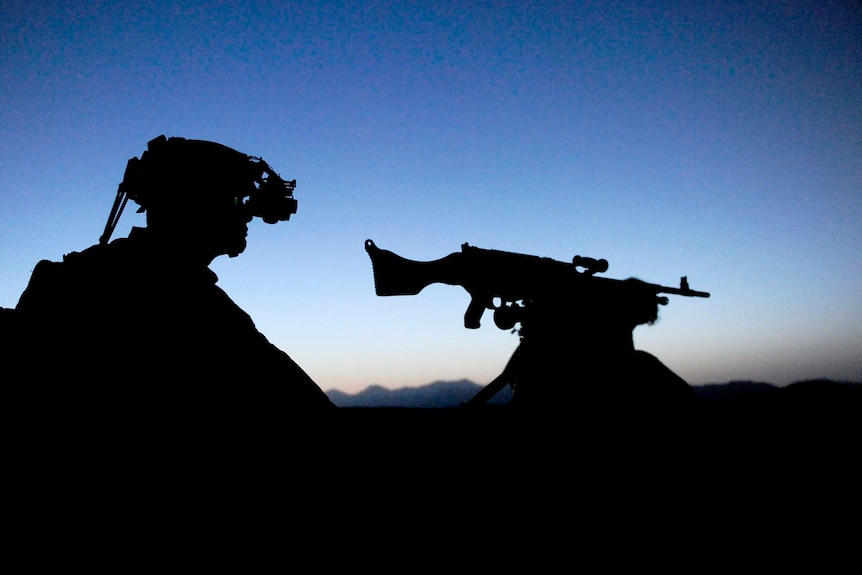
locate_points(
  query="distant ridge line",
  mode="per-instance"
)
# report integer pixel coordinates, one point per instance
(441, 394)
(437, 394)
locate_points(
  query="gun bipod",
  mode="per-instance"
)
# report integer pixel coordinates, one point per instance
(506, 377)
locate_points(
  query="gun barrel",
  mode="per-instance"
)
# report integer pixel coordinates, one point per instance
(688, 293)
(684, 291)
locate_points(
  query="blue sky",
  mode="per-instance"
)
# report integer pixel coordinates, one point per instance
(717, 140)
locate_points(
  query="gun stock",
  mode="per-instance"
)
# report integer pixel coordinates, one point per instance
(396, 275)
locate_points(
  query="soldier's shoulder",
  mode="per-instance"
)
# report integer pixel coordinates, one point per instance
(45, 270)
(64, 279)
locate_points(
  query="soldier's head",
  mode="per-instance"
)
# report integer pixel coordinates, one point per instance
(203, 194)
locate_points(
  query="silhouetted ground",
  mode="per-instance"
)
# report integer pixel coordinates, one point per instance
(436, 481)
(803, 438)
(740, 409)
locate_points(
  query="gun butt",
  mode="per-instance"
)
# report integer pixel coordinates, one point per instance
(395, 275)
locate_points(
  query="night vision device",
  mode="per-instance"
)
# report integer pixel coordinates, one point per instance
(272, 199)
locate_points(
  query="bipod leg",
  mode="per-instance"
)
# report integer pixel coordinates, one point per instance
(506, 377)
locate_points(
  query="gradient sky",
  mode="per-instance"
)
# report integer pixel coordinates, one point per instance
(717, 140)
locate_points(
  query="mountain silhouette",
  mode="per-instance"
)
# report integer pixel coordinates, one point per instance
(444, 394)
(439, 394)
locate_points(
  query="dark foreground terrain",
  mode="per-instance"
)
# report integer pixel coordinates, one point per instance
(795, 445)
(728, 476)
(738, 414)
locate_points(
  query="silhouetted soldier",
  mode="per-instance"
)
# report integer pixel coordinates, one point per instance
(579, 353)
(137, 329)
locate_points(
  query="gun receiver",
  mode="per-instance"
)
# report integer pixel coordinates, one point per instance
(499, 280)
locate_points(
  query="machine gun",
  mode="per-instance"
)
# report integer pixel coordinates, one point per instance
(537, 292)
(505, 282)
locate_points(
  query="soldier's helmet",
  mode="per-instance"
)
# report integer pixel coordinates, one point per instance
(183, 175)
(177, 179)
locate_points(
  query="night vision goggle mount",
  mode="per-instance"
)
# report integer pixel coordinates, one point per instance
(270, 198)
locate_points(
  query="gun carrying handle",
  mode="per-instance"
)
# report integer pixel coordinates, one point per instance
(591, 266)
